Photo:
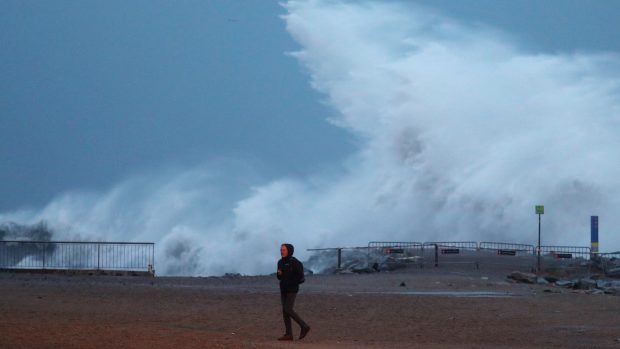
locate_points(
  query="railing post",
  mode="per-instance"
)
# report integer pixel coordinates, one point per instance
(339, 257)
(98, 256)
(436, 255)
(153, 259)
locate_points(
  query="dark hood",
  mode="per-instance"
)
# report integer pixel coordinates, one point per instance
(290, 249)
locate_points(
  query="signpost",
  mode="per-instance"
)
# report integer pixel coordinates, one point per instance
(540, 210)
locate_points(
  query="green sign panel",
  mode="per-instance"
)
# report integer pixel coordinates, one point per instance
(540, 209)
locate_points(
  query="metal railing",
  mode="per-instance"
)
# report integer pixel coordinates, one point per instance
(607, 261)
(491, 254)
(566, 252)
(393, 245)
(466, 245)
(72, 255)
(506, 246)
(338, 252)
(609, 255)
(397, 251)
(451, 252)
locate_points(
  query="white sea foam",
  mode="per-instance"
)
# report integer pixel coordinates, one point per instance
(460, 134)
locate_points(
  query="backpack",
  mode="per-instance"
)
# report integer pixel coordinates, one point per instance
(302, 279)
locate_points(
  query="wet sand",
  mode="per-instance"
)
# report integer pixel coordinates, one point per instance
(435, 309)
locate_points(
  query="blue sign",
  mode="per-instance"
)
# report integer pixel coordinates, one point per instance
(594, 234)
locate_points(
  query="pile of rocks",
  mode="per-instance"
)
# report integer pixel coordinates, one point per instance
(593, 284)
(610, 266)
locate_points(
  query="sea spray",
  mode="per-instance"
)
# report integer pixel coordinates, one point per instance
(460, 133)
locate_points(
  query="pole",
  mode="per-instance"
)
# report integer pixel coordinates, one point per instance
(339, 257)
(538, 243)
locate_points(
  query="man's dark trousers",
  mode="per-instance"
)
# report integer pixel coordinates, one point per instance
(288, 301)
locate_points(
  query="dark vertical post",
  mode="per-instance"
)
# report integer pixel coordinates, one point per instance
(538, 268)
(339, 257)
(436, 255)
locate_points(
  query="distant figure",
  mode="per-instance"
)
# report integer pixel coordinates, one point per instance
(291, 274)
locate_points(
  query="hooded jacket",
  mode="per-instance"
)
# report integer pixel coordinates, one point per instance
(292, 272)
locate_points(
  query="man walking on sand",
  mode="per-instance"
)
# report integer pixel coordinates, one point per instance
(291, 274)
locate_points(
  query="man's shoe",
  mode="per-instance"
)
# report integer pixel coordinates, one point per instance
(286, 337)
(304, 332)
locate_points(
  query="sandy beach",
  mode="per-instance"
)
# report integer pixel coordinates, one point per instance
(411, 308)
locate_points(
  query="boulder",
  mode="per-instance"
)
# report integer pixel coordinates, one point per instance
(363, 270)
(585, 284)
(344, 271)
(551, 279)
(519, 276)
(602, 284)
(565, 283)
(613, 272)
